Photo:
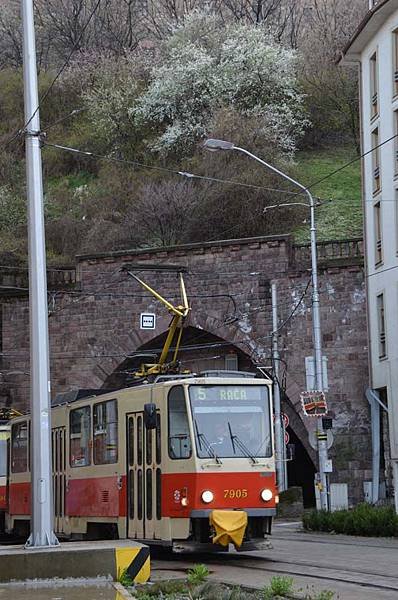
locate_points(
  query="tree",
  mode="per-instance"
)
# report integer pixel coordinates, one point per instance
(206, 67)
(332, 91)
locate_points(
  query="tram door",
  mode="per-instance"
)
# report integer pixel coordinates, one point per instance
(59, 464)
(143, 478)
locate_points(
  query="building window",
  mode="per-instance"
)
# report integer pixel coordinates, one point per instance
(231, 362)
(395, 61)
(381, 326)
(378, 234)
(79, 427)
(396, 143)
(376, 161)
(396, 220)
(105, 433)
(374, 96)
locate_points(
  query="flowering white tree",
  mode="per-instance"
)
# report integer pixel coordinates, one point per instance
(206, 68)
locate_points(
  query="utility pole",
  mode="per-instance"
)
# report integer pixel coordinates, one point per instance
(317, 339)
(42, 512)
(217, 145)
(279, 429)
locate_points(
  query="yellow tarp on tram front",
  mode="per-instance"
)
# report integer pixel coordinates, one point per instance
(229, 526)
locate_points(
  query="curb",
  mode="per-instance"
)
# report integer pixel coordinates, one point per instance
(122, 593)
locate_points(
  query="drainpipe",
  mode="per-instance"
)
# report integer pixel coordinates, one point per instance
(375, 403)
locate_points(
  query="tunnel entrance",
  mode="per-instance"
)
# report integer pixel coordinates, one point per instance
(203, 351)
(301, 470)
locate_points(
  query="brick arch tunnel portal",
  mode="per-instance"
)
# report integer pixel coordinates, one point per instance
(203, 351)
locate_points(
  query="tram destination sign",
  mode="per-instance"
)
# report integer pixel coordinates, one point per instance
(217, 393)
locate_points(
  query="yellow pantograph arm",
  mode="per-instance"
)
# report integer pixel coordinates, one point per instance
(185, 305)
(178, 311)
(179, 314)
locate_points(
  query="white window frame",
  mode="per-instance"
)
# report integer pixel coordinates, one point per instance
(376, 167)
(378, 231)
(381, 325)
(374, 85)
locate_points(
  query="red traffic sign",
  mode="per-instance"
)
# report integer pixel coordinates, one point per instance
(285, 420)
(287, 438)
(313, 403)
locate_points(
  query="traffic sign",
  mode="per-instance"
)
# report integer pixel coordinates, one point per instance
(285, 420)
(287, 438)
(313, 438)
(147, 321)
(313, 403)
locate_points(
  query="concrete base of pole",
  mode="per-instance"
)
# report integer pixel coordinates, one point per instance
(76, 560)
(50, 540)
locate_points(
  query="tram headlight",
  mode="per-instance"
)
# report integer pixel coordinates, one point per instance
(266, 495)
(207, 496)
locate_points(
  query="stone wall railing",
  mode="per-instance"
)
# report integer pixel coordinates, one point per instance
(15, 280)
(330, 252)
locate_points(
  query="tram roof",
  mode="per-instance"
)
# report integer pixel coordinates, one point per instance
(205, 377)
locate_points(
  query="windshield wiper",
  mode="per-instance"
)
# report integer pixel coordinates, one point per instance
(243, 448)
(203, 439)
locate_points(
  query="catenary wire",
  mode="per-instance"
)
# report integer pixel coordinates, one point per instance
(57, 76)
(185, 174)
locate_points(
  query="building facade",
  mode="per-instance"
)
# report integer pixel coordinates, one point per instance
(374, 47)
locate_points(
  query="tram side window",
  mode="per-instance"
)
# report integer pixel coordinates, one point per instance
(4, 435)
(179, 436)
(19, 447)
(105, 432)
(80, 421)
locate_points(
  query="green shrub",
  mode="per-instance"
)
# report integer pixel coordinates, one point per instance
(364, 519)
(280, 586)
(197, 574)
(125, 579)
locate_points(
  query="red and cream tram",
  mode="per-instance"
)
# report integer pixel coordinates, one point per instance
(184, 462)
(4, 441)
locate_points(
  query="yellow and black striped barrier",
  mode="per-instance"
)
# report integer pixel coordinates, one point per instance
(134, 562)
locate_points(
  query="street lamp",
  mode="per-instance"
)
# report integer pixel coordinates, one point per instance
(217, 145)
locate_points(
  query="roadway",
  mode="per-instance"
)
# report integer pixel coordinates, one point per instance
(355, 568)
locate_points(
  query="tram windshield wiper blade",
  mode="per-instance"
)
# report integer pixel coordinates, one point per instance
(242, 447)
(202, 439)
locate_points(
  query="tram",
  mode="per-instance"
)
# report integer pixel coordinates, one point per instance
(4, 448)
(183, 463)
(181, 460)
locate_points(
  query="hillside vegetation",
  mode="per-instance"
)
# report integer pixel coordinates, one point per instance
(340, 215)
(141, 95)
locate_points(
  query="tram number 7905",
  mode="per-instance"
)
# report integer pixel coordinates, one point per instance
(239, 493)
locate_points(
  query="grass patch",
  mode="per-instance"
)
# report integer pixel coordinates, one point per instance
(198, 574)
(364, 520)
(280, 587)
(341, 215)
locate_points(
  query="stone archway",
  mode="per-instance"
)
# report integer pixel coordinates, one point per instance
(201, 351)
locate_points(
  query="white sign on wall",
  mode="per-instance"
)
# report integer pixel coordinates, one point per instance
(147, 321)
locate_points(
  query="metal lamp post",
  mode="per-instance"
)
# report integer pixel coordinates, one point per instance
(217, 145)
(42, 520)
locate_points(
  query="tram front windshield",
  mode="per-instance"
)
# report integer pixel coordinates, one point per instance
(231, 420)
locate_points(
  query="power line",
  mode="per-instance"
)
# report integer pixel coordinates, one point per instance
(382, 271)
(74, 112)
(185, 174)
(356, 159)
(57, 76)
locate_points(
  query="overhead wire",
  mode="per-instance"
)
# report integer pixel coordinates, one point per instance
(181, 173)
(57, 76)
